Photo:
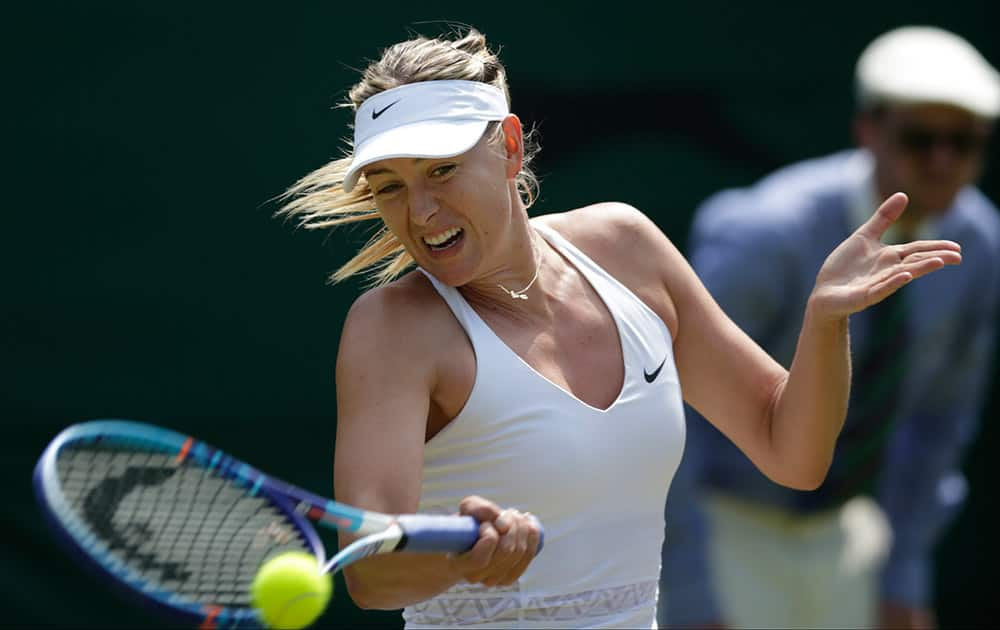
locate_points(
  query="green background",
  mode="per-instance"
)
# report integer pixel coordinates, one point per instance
(144, 276)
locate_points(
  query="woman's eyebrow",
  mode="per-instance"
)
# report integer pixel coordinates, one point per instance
(380, 171)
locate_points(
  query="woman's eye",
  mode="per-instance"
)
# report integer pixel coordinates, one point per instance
(444, 169)
(388, 188)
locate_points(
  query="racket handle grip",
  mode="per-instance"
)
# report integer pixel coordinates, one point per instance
(445, 533)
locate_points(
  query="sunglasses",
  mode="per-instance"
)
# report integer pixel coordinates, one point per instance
(920, 140)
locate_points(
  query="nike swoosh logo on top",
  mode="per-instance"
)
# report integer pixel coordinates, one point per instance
(651, 376)
(379, 112)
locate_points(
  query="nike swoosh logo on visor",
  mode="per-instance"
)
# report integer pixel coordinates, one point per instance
(378, 112)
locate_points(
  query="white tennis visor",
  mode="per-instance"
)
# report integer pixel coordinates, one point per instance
(429, 119)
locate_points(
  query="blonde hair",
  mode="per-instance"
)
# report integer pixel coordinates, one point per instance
(317, 201)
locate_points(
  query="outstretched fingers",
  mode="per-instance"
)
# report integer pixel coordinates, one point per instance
(949, 252)
(890, 210)
(887, 286)
(912, 267)
(922, 266)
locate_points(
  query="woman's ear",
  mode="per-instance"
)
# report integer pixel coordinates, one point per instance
(514, 144)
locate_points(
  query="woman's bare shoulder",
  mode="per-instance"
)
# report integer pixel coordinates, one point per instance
(629, 246)
(408, 296)
(597, 222)
(616, 235)
(404, 316)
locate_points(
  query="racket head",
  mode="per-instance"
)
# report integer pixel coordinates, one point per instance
(108, 490)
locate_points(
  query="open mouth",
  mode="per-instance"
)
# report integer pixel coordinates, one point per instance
(443, 240)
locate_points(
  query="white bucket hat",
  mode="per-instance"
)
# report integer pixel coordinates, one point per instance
(924, 64)
(429, 119)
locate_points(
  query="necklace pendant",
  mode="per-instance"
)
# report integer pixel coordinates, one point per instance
(523, 293)
(515, 295)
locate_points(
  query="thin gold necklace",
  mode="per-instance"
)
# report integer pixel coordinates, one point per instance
(521, 295)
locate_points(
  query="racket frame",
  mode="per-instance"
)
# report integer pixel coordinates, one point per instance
(380, 533)
(76, 539)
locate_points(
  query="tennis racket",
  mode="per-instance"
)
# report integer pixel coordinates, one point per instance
(182, 527)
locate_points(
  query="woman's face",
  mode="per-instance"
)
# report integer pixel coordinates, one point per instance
(452, 214)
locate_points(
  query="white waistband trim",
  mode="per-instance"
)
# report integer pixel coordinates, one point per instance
(467, 605)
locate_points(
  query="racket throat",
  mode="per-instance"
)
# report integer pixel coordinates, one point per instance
(383, 542)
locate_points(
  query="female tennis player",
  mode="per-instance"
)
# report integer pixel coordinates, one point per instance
(536, 367)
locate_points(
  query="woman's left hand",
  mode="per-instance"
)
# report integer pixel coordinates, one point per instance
(863, 270)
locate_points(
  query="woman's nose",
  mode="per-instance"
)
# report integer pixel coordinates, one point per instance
(423, 206)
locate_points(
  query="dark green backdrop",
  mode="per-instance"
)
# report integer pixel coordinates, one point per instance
(144, 276)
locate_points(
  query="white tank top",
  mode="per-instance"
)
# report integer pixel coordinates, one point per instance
(596, 479)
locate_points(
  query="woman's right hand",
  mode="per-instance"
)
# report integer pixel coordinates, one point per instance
(508, 541)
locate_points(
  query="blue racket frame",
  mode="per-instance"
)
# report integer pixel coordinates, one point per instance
(75, 537)
(414, 532)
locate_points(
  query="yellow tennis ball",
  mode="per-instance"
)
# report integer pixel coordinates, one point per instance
(289, 590)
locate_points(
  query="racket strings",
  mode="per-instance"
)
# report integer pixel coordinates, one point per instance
(179, 528)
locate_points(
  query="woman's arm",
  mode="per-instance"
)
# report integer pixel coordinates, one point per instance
(860, 272)
(385, 375)
(787, 422)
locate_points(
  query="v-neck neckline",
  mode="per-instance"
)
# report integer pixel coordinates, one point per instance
(590, 280)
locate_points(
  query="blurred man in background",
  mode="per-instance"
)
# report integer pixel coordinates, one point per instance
(742, 551)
